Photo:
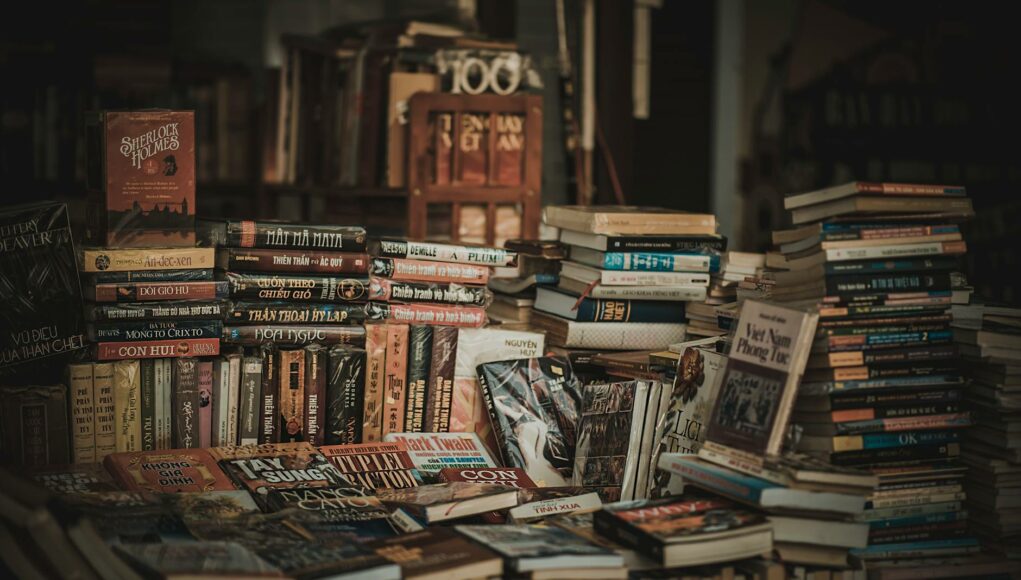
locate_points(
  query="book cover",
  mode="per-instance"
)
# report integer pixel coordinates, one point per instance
(147, 403)
(205, 384)
(609, 435)
(433, 452)
(528, 547)
(692, 396)
(307, 560)
(35, 425)
(374, 465)
(315, 394)
(544, 502)
(42, 316)
(534, 406)
(77, 478)
(291, 369)
(344, 396)
(509, 476)
(761, 378)
(171, 471)
(242, 312)
(439, 552)
(127, 383)
(419, 355)
(131, 517)
(106, 409)
(440, 387)
(83, 413)
(290, 236)
(141, 168)
(395, 379)
(335, 514)
(259, 468)
(250, 397)
(375, 373)
(269, 428)
(293, 261)
(297, 288)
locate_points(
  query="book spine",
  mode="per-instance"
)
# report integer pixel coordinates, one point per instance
(887, 440)
(234, 377)
(629, 311)
(830, 234)
(914, 500)
(665, 244)
(344, 396)
(895, 251)
(126, 386)
(884, 266)
(868, 413)
(292, 395)
(186, 404)
(167, 330)
(157, 291)
(895, 454)
(881, 357)
(83, 413)
(148, 276)
(386, 290)
(609, 527)
(939, 517)
(395, 385)
(292, 261)
(635, 278)
(721, 480)
(284, 313)
(252, 234)
(268, 424)
(423, 271)
(221, 401)
(883, 341)
(444, 253)
(499, 421)
(297, 288)
(157, 349)
(857, 400)
(294, 335)
(441, 379)
(147, 408)
(251, 392)
(155, 311)
(168, 399)
(106, 428)
(315, 394)
(127, 260)
(425, 314)
(375, 373)
(644, 262)
(672, 293)
(419, 354)
(205, 385)
(907, 282)
(162, 427)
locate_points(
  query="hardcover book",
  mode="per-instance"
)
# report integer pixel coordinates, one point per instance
(35, 425)
(106, 429)
(529, 548)
(293, 335)
(395, 379)
(205, 384)
(374, 465)
(307, 560)
(269, 417)
(682, 429)
(83, 413)
(250, 395)
(189, 347)
(439, 553)
(42, 317)
(433, 452)
(446, 501)
(646, 262)
(156, 291)
(584, 309)
(126, 386)
(387, 290)
(769, 354)
(154, 330)
(534, 406)
(667, 243)
(426, 314)
(76, 478)
(260, 468)
(141, 170)
(173, 471)
(608, 335)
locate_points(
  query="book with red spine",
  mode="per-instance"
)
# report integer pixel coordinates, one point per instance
(157, 349)
(426, 271)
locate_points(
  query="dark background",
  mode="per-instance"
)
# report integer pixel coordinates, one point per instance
(829, 91)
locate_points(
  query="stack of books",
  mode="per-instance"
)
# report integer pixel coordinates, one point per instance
(152, 302)
(292, 284)
(883, 389)
(629, 274)
(990, 341)
(514, 287)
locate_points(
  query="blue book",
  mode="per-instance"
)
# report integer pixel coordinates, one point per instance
(888, 440)
(648, 261)
(553, 301)
(938, 263)
(918, 549)
(754, 491)
(827, 387)
(919, 520)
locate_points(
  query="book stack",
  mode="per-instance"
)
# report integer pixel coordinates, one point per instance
(514, 287)
(883, 389)
(292, 284)
(989, 338)
(629, 274)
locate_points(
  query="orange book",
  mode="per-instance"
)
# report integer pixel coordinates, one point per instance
(170, 471)
(395, 379)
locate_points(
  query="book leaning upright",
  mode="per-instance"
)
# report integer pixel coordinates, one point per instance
(768, 356)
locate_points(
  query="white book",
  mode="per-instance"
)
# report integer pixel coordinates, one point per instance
(221, 400)
(631, 278)
(652, 414)
(878, 253)
(233, 397)
(664, 293)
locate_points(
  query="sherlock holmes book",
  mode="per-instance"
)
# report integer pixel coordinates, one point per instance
(41, 321)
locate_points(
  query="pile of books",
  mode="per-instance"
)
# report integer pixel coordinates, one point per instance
(514, 287)
(292, 284)
(882, 390)
(629, 274)
(990, 341)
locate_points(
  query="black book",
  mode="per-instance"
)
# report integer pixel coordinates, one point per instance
(42, 312)
(185, 401)
(420, 339)
(528, 548)
(345, 396)
(281, 235)
(194, 275)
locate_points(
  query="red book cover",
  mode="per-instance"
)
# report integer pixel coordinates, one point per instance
(158, 349)
(374, 465)
(509, 476)
(427, 271)
(510, 147)
(395, 383)
(205, 372)
(473, 144)
(315, 394)
(171, 471)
